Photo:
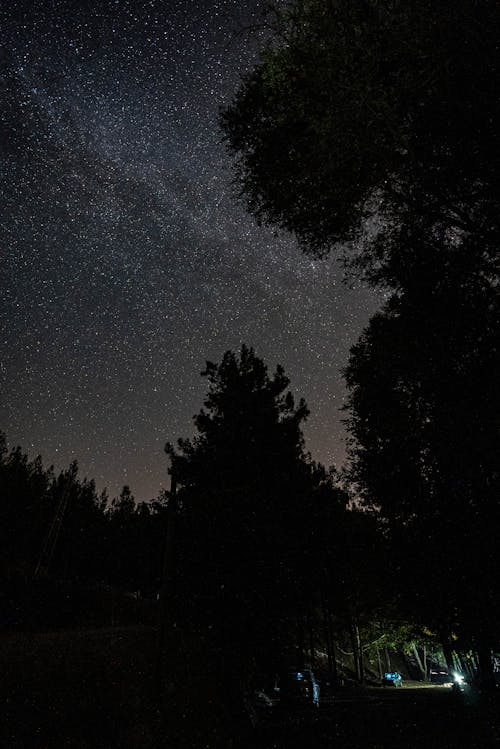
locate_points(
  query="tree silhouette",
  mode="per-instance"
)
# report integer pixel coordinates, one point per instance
(424, 414)
(375, 118)
(25, 509)
(378, 122)
(243, 534)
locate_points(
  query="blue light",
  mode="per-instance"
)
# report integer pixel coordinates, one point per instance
(299, 675)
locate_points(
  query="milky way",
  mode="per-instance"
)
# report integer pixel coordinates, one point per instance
(126, 259)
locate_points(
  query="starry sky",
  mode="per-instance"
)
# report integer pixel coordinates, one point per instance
(126, 260)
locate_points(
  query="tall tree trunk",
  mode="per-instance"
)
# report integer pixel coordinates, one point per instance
(326, 630)
(486, 666)
(357, 651)
(300, 640)
(327, 623)
(379, 661)
(457, 663)
(354, 650)
(468, 665)
(417, 658)
(387, 658)
(447, 652)
(311, 640)
(332, 645)
(462, 668)
(360, 656)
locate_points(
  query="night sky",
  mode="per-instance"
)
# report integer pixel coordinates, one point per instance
(126, 259)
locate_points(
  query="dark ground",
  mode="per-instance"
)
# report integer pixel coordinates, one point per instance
(96, 689)
(407, 718)
(89, 689)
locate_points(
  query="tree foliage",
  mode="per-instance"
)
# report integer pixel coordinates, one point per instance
(377, 123)
(245, 498)
(376, 118)
(424, 417)
(102, 550)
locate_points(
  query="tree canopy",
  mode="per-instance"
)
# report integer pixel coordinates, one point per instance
(375, 119)
(425, 426)
(376, 124)
(244, 487)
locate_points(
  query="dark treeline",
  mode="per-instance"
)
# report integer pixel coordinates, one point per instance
(262, 557)
(257, 552)
(57, 527)
(268, 562)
